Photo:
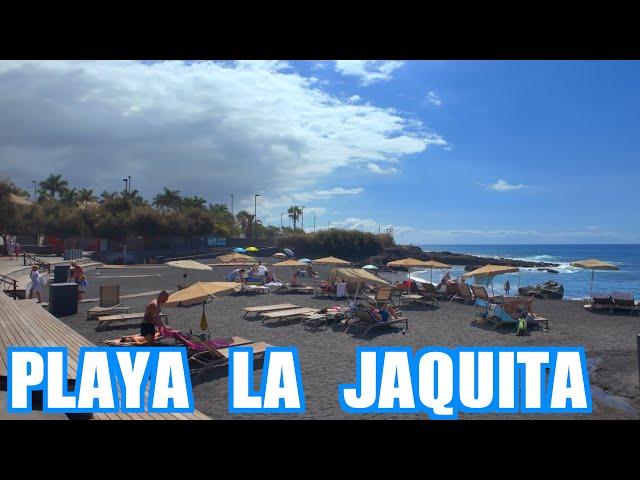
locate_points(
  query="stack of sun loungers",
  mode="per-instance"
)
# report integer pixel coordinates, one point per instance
(613, 302)
(364, 320)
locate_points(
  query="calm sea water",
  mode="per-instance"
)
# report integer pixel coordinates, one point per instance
(576, 281)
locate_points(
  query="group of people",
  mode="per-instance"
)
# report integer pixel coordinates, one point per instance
(13, 249)
(257, 273)
(38, 281)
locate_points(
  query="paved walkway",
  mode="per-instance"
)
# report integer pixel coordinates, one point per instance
(15, 269)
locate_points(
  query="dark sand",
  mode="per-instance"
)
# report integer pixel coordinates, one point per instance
(328, 357)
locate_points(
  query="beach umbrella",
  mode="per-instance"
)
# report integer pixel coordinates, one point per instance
(489, 271)
(332, 261)
(290, 263)
(408, 263)
(239, 250)
(305, 260)
(594, 264)
(279, 255)
(236, 258)
(288, 252)
(370, 267)
(433, 264)
(201, 292)
(188, 265)
(251, 249)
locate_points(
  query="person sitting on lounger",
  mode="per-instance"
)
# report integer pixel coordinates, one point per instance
(294, 278)
(382, 314)
(151, 319)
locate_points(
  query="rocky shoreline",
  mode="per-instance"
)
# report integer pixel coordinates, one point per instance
(469, 261)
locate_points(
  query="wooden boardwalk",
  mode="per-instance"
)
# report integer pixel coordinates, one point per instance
(24, 323)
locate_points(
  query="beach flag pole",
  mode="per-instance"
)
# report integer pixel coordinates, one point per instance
(593, 271)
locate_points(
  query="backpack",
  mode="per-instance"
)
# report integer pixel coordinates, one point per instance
(521, 326)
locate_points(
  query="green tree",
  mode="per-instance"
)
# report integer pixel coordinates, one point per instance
(193, 202)
(245, 221)
(167, 200)
(53, 185)
(69, 197)
(294, 212)
(86, 196)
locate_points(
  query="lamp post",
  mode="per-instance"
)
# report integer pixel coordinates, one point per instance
(126, 187)
(129, 184)
(255, 213)
(35, 190)
(232, 218)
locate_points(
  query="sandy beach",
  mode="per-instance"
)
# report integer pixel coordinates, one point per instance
(327, 357)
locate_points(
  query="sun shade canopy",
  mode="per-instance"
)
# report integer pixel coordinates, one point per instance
(355, 276)
(594, 264)
(408, 263)
(290, 263)
(434, 264)
(251, 249)
(235, 258)
(200, 292)
(189, 265)
(490, 270)
(330, 261)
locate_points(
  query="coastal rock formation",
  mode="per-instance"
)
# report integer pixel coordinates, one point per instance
(550, 289)
(470, 261)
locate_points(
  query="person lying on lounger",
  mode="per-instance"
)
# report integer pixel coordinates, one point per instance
(382, 314)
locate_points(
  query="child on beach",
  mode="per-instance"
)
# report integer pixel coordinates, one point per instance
(36, 283)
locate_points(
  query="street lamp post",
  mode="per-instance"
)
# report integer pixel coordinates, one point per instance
(129, 183)
(126, 186)
(232, 218)
(35, 190)
(255, 213)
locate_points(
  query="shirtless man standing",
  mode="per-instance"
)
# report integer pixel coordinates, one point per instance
(151, 318)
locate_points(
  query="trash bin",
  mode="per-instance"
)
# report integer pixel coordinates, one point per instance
(63, 299)
(61, 273)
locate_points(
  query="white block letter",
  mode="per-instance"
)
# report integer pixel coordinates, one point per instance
(95, 382)
(430, 396)
(506, 370)
(368, 384)
(56, 383)
(242, 380)
(27, 370)
(396, 366)
(132, 377)
(533, 376)
(282, 382)
(170, 382)
(568, 371)
(468, 379)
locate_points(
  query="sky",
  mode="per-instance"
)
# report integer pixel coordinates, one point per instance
(443, 152)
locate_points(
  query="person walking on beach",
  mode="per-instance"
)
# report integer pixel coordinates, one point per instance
(151, 319)
(17, 250)
(78, 276)
(36, 283)
(507, 287)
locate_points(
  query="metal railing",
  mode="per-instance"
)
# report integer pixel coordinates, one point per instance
(29, 259)
(12, 284)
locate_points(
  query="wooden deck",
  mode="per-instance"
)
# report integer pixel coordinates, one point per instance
(24, 323)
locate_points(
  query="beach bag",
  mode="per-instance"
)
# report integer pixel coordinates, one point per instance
(521, 326)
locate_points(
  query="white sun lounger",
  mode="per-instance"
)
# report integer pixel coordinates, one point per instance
(259, 311)
(287, 314)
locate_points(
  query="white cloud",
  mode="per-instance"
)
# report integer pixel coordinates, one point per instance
(503, 186)
(434, 98)
(368, 225)
(354, 99)
(206, 128)
(442, 236)
(319, 66)
(369, 71)
(375, 168)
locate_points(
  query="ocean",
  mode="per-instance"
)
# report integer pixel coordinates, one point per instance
(576, 281)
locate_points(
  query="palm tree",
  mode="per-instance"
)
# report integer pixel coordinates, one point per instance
(193, 202)
(54, 184)
(245, 220)
(294, 212)
(134, 197)
(86, 195)
(167, 200)
(69, 197)
(106, 197)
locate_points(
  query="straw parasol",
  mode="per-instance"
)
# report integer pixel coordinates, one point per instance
(489, 271)
(290, 263)
(332, 261)
(200, 292)
(236, 258)
(408, 263)
(189, 265)
(433, 264)
(594, 264)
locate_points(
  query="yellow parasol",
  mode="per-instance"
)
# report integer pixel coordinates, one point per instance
(489, 271)
(594, 264)
(200, 292)
(433, 264)
(332, 261)
(408, 263)
(189, 265)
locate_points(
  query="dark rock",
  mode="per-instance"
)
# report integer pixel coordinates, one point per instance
(550, 290)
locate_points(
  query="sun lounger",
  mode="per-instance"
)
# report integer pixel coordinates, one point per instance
(481, 293)
(284, 289)
(600, 301)
(382, 296)
(109, 302)
(508, 312)
(103, 321)
(623, 301)
(464, 293)
(287, 314)
(429, 293)
(258, 311)
(364, 319)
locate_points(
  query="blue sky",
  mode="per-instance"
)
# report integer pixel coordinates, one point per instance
(445, 152)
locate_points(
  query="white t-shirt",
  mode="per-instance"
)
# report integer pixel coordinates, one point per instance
(262, 270)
